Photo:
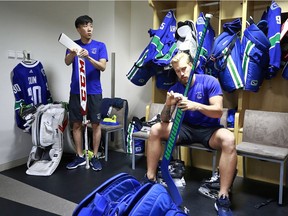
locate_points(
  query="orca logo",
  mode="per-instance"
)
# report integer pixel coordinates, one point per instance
(141, 80)
(199, 95)
(94, 50)
(254, 82)
(273, 6)
(200, 21)
(169, 14)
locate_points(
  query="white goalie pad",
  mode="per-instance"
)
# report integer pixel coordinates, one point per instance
(47, 138)
(187, 38)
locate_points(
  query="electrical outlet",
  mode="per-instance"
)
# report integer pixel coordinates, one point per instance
(19, 54)
(11, 54)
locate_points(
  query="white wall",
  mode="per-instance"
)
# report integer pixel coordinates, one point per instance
(35, 27)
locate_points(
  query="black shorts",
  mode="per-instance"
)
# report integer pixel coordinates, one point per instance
(196, 134)
(93, 108)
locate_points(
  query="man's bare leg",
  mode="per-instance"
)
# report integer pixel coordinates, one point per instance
(159, 132)
(77, 136)
(224, 139)
(96, 130)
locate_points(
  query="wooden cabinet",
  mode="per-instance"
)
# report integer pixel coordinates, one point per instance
(273, 94)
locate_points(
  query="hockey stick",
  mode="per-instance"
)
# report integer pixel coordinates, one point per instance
(176, 126)
(70, 44)
(83, 102)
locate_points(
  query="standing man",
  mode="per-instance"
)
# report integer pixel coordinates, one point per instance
(95, 55)
(203, 110)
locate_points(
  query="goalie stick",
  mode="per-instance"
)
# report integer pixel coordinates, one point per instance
(70, 44)
(176, 126)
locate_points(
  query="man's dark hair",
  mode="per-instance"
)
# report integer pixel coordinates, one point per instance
(83, 20)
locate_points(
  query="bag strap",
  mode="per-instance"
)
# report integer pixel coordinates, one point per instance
(224, 54)
(98, 207)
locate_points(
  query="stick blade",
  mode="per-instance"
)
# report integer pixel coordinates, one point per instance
(209, 16)
(68, 43)
(175, 195)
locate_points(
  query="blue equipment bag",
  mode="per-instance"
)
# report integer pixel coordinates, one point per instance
(255, 55)
(124, 195)
(225, 61)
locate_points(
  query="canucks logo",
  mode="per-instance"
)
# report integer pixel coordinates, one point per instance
(199, 95)
(254, 82)
(169, 14)
(141, 80)
(94, 50)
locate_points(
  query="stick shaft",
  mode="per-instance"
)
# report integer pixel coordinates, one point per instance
(176, 127)
(83, 103)
(86, 141)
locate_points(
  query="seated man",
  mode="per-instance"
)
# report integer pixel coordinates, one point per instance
(203, 110)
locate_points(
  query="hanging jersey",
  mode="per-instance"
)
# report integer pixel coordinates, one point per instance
(97, 50)
(163, 45)
(255, 56)
(30, 87)
(207, 43)
(273, 16)
(157, 54)
(204, 87)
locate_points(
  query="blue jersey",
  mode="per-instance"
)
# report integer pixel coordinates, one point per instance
(158, 52)
(97, 50)
(273, 16)
(204, 87)
(30, 87)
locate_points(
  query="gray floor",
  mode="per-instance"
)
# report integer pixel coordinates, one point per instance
(59, 193)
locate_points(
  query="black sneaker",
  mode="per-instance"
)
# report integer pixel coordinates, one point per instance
(147, 180)
(222, 206)
(95, 164)
(78, 161)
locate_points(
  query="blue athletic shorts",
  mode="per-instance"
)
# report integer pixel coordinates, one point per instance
(93, 108)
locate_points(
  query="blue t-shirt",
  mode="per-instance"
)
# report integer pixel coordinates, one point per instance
(204, 87)
(97, 50)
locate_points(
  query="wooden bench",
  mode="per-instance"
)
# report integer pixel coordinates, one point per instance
(265, 137)
(155, 108)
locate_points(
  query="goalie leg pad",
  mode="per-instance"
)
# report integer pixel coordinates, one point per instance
(47, 139)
